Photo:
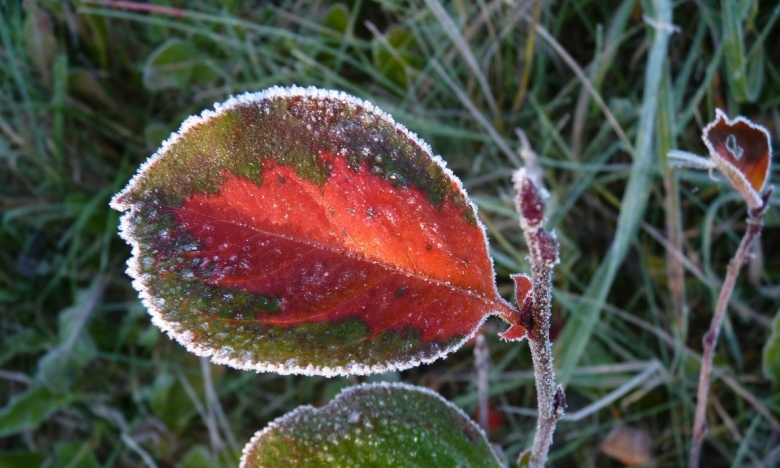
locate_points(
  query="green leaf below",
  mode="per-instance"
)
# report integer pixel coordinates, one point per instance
(379, 425)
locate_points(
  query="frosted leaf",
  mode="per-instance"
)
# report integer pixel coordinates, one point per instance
(299, 230)
(398, 424)
(742, 151)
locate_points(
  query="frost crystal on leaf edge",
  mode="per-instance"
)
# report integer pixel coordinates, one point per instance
(219, 356)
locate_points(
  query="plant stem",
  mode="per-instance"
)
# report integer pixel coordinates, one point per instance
(550, 410)
(535, 312)
(481, 364)
(710, 341)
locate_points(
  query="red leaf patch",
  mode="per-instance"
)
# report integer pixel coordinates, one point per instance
(303, 231)
(740, 148)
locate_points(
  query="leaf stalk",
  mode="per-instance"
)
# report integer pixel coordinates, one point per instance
(710, 340)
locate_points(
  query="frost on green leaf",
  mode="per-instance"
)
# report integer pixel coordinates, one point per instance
(378, 425)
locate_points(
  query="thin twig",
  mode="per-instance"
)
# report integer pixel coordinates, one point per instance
(710, 341)
(481, 364)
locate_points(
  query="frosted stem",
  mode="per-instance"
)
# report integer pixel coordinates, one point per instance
(536, 313)
(551, 400)
(710, 341)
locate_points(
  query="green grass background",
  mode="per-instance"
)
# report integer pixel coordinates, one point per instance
(602, 89)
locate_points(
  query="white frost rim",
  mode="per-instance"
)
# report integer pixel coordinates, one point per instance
(281, 420)
(721, 115)
(225, 356)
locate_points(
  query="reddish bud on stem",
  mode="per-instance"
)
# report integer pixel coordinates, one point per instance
(531, 203)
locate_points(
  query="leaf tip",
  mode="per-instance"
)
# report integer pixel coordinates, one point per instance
(513, 333)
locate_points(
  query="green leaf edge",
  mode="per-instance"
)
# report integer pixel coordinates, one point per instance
(347, 392)
(155, 76)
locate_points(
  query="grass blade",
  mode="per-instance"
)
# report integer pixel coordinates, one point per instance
(579, 328)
